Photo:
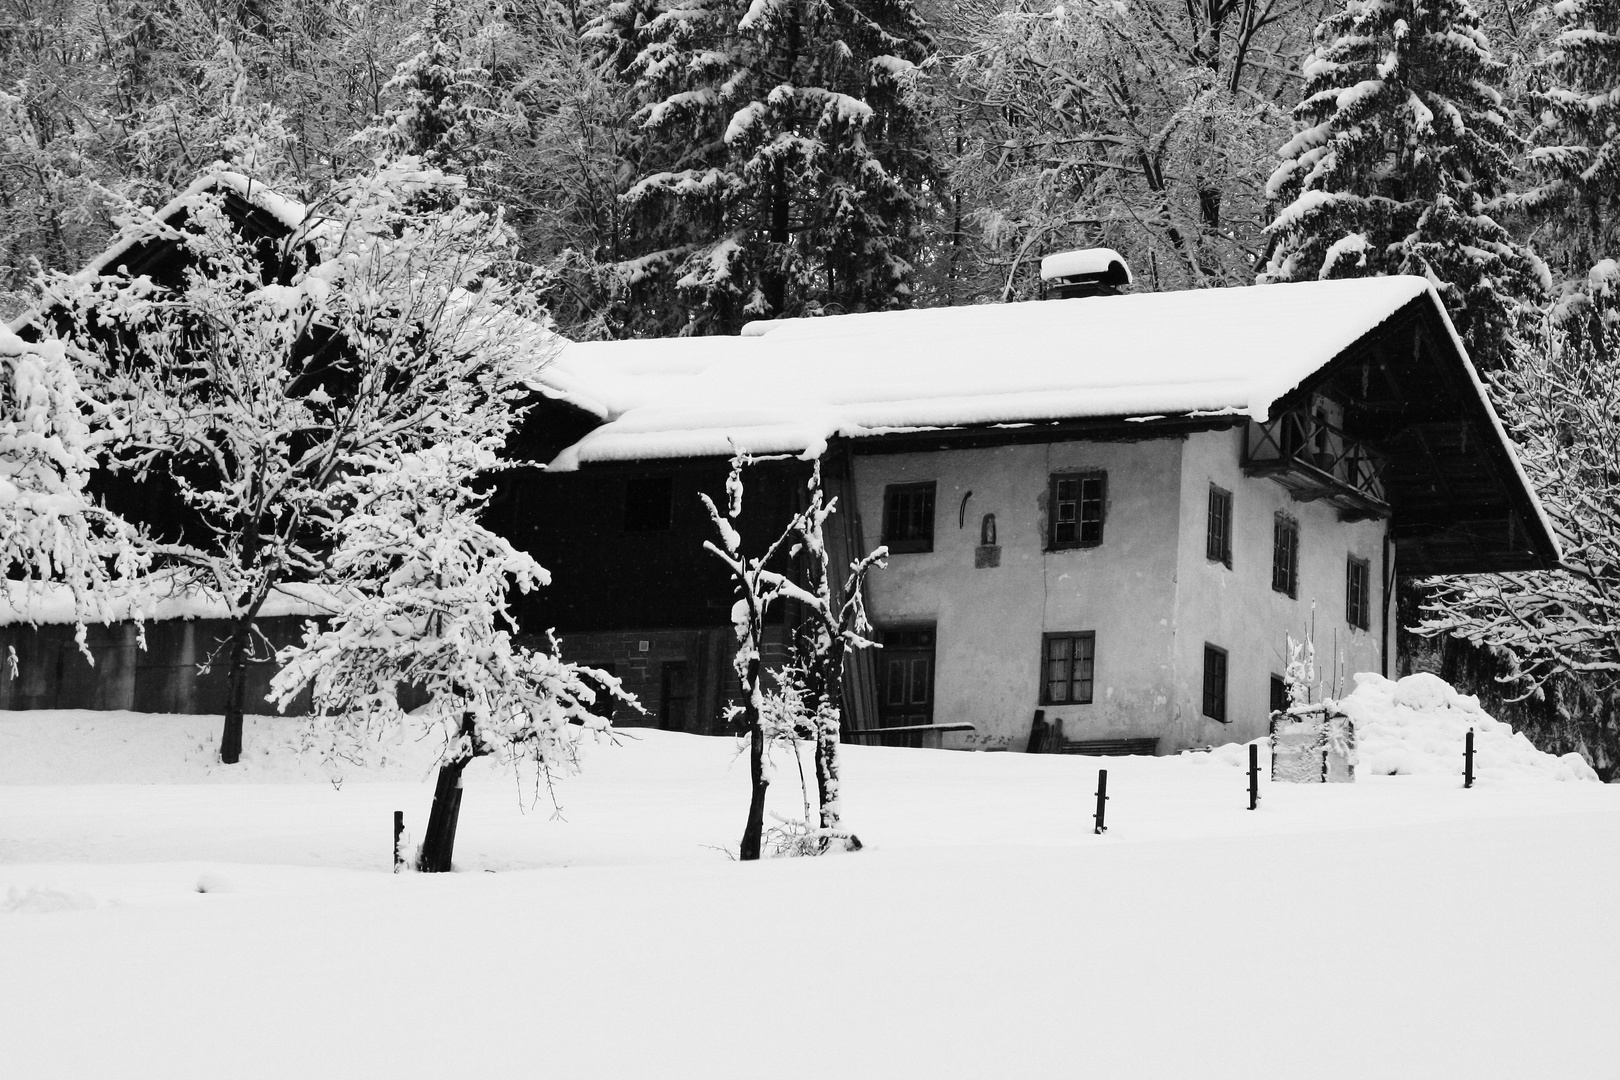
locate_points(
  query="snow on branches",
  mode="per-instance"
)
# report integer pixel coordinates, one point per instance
(1562, 404)
(51, 531)
(281, 357)
(807, 701)
(427, 612)
(1402, 148)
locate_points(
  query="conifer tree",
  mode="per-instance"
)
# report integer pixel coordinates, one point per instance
(783, 169)
(1575, 146)
(1401, 150)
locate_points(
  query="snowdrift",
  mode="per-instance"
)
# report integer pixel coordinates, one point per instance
(1417, 726)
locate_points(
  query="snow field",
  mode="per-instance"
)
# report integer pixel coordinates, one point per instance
(167, 917)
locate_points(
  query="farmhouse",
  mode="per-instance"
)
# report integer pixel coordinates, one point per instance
(1112, 509)
(1109, 509)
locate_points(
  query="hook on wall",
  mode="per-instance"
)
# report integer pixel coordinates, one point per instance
(961, 514)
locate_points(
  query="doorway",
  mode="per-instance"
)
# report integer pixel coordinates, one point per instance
(906, 697)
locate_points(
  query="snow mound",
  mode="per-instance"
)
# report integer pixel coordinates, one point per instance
(1418, 725)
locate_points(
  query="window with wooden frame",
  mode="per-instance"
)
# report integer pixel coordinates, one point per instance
(1068, 666)
(1218, 543)
(1215, 683)
(1285, 555)
(908, 517)
(1357, 592)
(649, 503)
(1077, 504)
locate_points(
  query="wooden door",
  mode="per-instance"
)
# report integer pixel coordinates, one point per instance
(907, 695)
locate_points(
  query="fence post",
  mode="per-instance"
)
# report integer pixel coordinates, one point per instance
(1102, 801)
(1468, 759)
(1254, 776)
(399, 832)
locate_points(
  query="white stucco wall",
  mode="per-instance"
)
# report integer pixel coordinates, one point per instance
(990, 621)
(1147, 591)
(1238, 610)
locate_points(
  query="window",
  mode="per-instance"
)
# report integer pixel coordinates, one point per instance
(1279, 694)
(1068, 662)
(1077, 504)
(1218, 544)
(1215, 683)
(1357, 595)
(908, 517)
(649, 503)
(1285, 555)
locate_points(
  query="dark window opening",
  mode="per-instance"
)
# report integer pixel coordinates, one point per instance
(1078, 503)
(649, 503)
(1218, 545)
(1285, 555)
(1068, 663)
(1357, 585)
(1215, 683)
(908, 517)
(1279, 694)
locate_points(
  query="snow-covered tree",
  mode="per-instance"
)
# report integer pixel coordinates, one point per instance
(834, 622)
(446, 106)
(1575, 146)
(51, 532)
(377, 324)
(807, 699)
(1141, 126)
(424, 608)
(1402, 146)
(782, 169)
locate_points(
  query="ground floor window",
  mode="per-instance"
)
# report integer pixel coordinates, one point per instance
(1279, 694)
(1215, 683)
(1069, 662)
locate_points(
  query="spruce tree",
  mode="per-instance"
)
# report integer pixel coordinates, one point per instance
(1402, 149)
(782, 168)
(1575, 146)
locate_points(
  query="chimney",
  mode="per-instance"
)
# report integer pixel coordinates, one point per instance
(1087, 272)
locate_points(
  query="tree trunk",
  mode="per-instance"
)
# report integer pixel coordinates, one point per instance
(753, 831)
(230, 740)
(439, 841)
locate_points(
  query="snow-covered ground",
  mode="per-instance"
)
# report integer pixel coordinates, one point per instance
(164, 916)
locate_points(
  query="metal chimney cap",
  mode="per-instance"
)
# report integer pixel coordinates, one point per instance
(1100, 262)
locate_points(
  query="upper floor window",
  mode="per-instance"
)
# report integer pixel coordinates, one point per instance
(649, 503)
(1068, 664)
(1285, 555)
(1218, 543)
(908, 517)
(1078, 503)
(1357, 592)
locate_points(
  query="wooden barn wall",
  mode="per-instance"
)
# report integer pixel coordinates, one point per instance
(53, 674)
(606, 576)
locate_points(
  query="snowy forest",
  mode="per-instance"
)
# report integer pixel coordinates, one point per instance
(680, 167)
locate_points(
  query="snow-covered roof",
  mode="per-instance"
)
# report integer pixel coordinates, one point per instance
(289, 212)
(1064, 264)
(795, 383)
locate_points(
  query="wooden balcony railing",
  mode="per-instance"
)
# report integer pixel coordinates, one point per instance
(1317, 460)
